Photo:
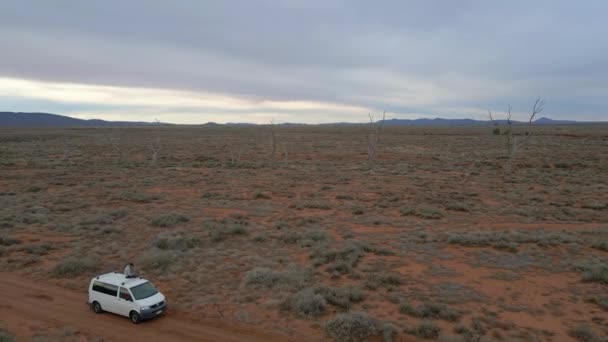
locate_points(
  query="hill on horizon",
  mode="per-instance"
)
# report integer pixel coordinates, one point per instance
(23, 119)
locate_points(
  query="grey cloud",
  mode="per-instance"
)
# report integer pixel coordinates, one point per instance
(405, 56)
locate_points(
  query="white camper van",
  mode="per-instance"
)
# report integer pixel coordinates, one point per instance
(135, 298)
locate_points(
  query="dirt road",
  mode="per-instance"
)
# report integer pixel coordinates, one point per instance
(25, 305)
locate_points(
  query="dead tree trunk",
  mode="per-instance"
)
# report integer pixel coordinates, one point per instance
(513, 143)
(372, 136)
(155, 146)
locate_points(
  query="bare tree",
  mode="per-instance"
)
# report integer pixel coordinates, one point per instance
(285, 154)
(115, 142)
(372, 136)
(512, 140)
(155, 145)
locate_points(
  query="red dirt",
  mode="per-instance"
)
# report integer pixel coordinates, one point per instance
(27, 305)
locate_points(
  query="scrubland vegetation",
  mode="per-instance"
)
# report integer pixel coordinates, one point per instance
(422, 235)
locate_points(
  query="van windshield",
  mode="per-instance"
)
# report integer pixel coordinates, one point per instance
(144, 290)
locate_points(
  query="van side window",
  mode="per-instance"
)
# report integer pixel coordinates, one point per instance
(124, 294)
(104, 288)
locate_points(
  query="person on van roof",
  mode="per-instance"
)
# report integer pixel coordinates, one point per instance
(130, 271)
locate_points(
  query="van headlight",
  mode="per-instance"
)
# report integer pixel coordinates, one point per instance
(145, 308)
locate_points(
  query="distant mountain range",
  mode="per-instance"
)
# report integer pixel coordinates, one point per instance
(12, 119)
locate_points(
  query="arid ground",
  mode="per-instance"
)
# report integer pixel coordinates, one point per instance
(433, 240)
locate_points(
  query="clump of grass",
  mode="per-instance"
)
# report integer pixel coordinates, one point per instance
(261, 195)
(313, 204)
(138, 197)
(407, 211)
(292, 278)
(73, 267)
(169, 220)
(429, 213)
(179, 242)
(430, 310)
(426, 330)
(343, 298)
(602, 246)
(424, 212)
(345, 197)
(105, 218)
(358, 210)
(594, 270)
(584, 333)
(34, 188)
(601, 302)
(457, 206)
(343, 259)
(307, 303)
(388, 331)
(5, 336)
(9, 241)
(38, 249)
(157, 259)
(388, 280)
(351, 326)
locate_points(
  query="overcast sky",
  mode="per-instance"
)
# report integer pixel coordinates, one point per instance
(193, 61)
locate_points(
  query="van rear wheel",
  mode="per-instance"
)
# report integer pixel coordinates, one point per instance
(96, 307)
(134, 316)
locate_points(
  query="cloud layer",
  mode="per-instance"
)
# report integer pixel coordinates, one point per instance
(302, 61)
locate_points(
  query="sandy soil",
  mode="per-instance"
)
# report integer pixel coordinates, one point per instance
(28, 307)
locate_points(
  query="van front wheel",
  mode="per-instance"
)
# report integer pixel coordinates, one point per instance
(134, 316)
(96, 307)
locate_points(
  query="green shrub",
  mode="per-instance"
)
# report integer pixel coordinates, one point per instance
(5, 336)
(456, 206)
(351, 326)
(343, 259)
(169, 220)
(73, 267)
(602, 245)
(407, 211)
(429, 213)
(261, 195)
(9, 241)
(340, 297)
(176, 242)
(105, 218)
(292, 278)
(307, 303)
(388, 331)
(157, 259)
(426, 330)
(430, 310)
(584, 333)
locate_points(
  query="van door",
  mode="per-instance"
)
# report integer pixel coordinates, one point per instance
(106, 295)
(124, 304)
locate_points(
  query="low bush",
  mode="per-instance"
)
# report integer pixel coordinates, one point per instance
(343, 259)
(426, 330)
(169, 220)
(9, 241)
(307, 303)
(594, 271)
(351, 326)
(584, 333)
(157, 259)
(292, 278)
(73, 267)
(340, 297)
(602, 246)
(431, 310)
(180, 242)
(5, 336)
